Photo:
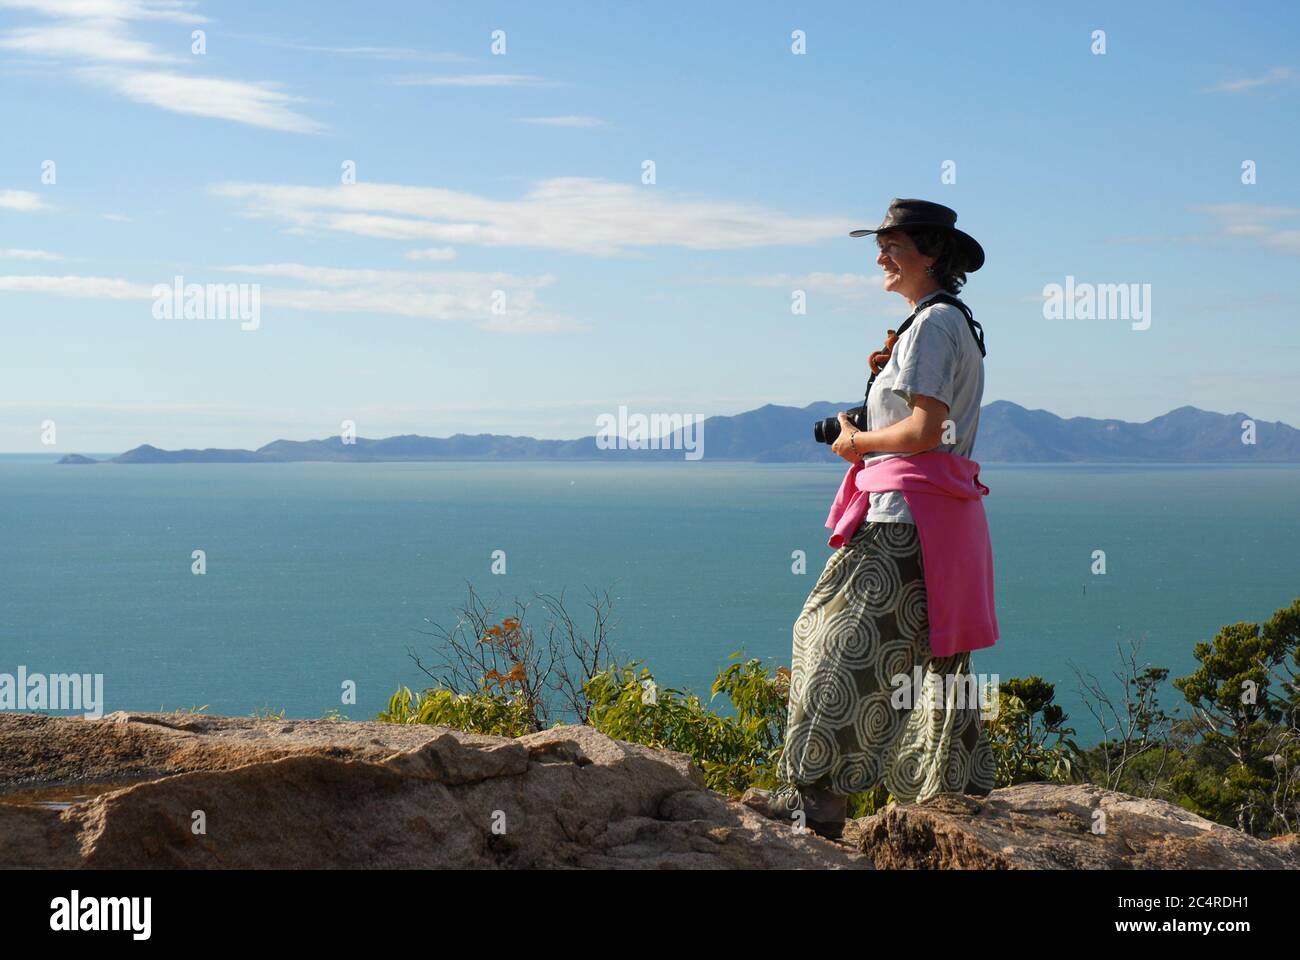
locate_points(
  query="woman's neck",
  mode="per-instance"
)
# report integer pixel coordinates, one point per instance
(915, 298)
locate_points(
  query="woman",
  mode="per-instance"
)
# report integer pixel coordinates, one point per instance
(869, 620)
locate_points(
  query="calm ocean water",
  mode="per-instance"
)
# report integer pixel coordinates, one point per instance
(321, 573)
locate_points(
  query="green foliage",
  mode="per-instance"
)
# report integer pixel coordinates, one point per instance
(499, 714)
(1243, 771)
(1026, 718)
(266, 713)
(735, 752)
(186, 711)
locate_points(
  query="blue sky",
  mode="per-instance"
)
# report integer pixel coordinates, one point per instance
(522, 172)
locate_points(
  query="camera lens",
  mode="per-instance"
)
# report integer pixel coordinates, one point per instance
(826, 431)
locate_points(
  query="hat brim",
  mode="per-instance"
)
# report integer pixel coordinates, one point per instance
(974, 253)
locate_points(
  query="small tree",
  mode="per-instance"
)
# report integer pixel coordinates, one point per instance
(541, 669)
(1246, 722)
(1018, 734)
(1136, 735)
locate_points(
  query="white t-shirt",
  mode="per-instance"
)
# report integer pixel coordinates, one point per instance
(936, 356)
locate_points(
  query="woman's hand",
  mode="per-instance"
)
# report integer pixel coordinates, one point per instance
(841, 447)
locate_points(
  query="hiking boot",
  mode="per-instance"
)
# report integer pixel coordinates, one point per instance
(779, 804)
(823, 812)
(826, 811)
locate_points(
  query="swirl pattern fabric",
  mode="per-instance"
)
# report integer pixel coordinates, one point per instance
(864, 624)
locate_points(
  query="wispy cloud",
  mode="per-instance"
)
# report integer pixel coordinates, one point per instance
(500, 302)
(256, 104)
(1275, 76)
(1277, 228)
(96, 288)
(432, 253)
(177, 11)
(19, 254)
(22, 200)
(563, 121)
(99, 40)
(359, 51)
(477, 80)
(848, 286)
(395, 279)
(1265, 225)
(576, 214)
(96, 37)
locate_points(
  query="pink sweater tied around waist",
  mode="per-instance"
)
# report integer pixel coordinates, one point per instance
(943, 493)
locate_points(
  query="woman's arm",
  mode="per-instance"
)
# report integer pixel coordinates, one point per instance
(921, 431)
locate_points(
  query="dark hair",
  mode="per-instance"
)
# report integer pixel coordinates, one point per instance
(949, 268)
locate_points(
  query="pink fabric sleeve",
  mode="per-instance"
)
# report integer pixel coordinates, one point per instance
(848, 508)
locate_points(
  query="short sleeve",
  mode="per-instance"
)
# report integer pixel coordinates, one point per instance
(927, 363)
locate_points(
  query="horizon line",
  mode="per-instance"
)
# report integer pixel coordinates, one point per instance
(592, 435)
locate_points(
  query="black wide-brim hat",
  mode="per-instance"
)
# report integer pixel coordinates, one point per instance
(923, 213)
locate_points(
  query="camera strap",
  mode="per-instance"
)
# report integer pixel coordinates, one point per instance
(975, 329)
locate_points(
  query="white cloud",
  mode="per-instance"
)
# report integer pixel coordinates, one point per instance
(83, 40)
(97, 288)
(476, 80)
(177, 11)
(460, 296)
(1266, 225)
(257, 104)
(345, 276)
(431, 295)
(22, 200)
(369, 52)
(432, 253)
(849, 286)
(565, 213)
(97, 35)
(19, 254)
(1274, 76)
(116, 217)
(563, 121)
(1262, 224)
(531, 323)
(381, 53)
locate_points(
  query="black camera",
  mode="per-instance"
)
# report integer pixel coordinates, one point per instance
(828, 431)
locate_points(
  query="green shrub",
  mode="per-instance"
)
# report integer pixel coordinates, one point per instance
(1243, 771)
(1026, 718)
(497, 714)
(734, 752)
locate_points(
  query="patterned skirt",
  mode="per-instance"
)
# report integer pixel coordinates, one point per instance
(850, 728)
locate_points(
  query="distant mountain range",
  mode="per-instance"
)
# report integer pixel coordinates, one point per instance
(1008, 433)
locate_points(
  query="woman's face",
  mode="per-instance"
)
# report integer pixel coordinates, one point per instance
(903, 264)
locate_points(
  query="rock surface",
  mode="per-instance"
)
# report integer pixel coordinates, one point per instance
(1048, 826)
(322, 793)
(318, 793)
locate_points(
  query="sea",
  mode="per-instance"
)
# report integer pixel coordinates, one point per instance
(320, 581)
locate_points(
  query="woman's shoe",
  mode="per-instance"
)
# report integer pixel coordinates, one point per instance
(779, 804)
(787, 801)
(831, 830)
